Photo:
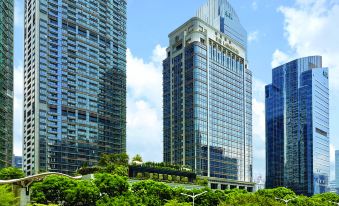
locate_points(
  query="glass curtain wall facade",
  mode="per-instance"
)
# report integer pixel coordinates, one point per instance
(75, 83)
(207, 96)
(6, 82)
(297, 127)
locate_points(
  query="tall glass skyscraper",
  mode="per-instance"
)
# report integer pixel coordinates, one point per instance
(75, 83)
(6, 82)
(297, 127)
(207, 97)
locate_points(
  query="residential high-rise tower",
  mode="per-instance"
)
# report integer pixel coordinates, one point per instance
(75, 83)
(207, 97)
(6, 82)
(297, 127)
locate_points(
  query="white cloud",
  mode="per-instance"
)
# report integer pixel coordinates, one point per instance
(258, 127)
(279, 58)
(18, 108)
(19, 13)
(310, 30)
(254, 5)
(159, 54)
(258, 120)
(332, 153)
(253, 36)
(144, 105)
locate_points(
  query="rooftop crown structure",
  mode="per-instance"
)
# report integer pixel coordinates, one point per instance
(207, 97)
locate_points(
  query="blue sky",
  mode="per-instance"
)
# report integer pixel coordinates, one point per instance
(278, 31)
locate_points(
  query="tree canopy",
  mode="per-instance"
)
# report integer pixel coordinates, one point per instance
(7, 197)
(137, 158)
(10, 173)
(112, 190)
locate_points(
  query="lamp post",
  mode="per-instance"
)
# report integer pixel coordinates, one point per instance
(286, 201)
(193, 196)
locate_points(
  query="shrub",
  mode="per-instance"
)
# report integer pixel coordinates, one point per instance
(155, 176)
(7, 197)
(111, 185)
(52, 189)
(139, 175)
(85, 193)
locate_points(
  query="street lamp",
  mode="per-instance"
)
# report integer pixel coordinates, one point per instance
(193, 196)
(286, 201)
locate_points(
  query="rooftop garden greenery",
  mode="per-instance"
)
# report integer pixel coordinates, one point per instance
(110, 190)
(110, 187)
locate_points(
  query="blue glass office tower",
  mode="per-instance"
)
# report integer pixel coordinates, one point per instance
(75, 83)
(6, 82)
(297, 127)
(207, 97)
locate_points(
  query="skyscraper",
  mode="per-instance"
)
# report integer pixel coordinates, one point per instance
(207, 97)
(297, 127)
(6, 82)
(75, 83)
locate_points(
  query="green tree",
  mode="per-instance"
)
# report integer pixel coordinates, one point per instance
(202, 181)
(111, 185)
(7, 197)
(52, 189)
(113, 159)
(280, 192)
(85, 193)
(177, 203)
(137, 158)
(10, 173)
(240, 197)
(120, 171)
(153, 193)
(125, 200)
(324, 199)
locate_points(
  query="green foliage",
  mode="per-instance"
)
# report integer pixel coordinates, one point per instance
(161, 177)
(121, 171)
(52, 189)
(85, 193)
(137, 158)
(169, 178)
(280, 192)
(113, 159)
(202, 181)
(111, 185)
(10, 173)
(113, 190)
(126, 200)
(176, 203)
(7, 197)
(139, 175)
(240, 197)
(89, 170)
(152, 193)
